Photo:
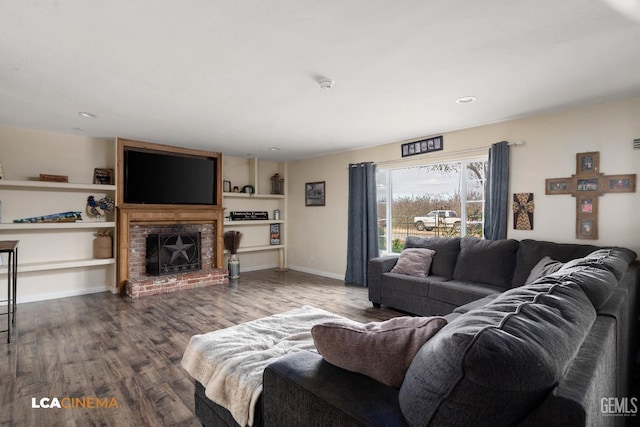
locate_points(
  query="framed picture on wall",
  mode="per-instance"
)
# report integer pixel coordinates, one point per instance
(423, 146)
(620, 183)
(314, 193)
(557, 186)
(588, 163)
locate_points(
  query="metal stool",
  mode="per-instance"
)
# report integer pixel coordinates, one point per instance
(10, 247)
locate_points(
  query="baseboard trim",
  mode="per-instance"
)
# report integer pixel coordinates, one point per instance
(318, 272)
(256, 267)
(56, 295)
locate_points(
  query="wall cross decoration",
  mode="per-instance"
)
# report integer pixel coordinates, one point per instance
(587, 185)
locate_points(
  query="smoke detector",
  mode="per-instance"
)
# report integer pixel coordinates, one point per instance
(325, 83)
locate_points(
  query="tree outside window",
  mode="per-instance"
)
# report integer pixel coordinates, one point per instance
(441, 199)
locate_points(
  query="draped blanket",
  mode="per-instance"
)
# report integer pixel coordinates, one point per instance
(230, 362)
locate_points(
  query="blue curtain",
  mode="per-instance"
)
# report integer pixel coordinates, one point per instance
(496, 204)
(362, 236)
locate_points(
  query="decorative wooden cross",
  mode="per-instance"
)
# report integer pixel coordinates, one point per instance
(586, 186)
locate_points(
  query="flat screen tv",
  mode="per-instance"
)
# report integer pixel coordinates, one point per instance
(157, 177)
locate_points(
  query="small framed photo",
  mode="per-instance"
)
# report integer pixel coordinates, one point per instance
(620, 183)
(103, 176)
(314, 193)
(587, 229)
(588, 163)
(590, 184)
(557, 186)
(586, 206)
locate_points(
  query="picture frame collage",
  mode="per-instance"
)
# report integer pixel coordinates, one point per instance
(423, 146)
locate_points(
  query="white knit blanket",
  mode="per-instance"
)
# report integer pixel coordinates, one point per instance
(230, 362)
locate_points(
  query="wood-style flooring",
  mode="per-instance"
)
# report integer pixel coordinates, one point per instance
(105, 346)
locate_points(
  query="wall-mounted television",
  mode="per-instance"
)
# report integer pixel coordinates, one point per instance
(158, 177)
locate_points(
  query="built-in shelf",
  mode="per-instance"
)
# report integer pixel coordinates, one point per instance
(260, 248)
(253, 222)
(59, 265)
(254, 196)
(62, 186)
(57, 225)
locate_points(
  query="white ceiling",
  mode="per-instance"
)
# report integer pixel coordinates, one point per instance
(241, 76)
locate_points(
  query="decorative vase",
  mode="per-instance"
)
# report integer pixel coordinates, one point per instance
(103, 247)
(234, 266)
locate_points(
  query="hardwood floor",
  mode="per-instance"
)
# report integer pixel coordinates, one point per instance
(105, 346)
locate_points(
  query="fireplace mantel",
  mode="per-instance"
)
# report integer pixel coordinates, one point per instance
(177, 215)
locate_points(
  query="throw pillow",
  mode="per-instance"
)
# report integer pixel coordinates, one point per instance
(447, 250)
(545, 266)
(414, 262)
(380, 350)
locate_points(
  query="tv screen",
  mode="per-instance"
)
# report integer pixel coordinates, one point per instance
(155, 177)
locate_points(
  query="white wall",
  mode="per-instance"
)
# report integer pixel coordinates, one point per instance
(317, 235)
(24, 155)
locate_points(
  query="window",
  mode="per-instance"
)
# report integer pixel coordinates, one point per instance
(441, 199)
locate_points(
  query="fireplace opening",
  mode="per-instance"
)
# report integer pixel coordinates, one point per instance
(172, 253)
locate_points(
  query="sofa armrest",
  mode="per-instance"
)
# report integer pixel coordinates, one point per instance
(375, 269)
(302, 389)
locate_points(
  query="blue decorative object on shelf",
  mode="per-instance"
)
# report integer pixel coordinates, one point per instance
(100, 208)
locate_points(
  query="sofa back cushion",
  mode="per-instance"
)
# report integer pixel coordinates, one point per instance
(597, 274)
(530, 252)
(493, 365)
(447, 250)
(486, 261)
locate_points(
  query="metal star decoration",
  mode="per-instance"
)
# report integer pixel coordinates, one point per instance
(179, 249)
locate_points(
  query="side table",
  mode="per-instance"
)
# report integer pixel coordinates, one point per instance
(10, 247)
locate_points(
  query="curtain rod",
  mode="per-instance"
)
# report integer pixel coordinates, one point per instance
(432, 156)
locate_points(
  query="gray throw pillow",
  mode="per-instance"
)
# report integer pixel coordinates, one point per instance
(544, 267)
(414, 262)
(380, 350)
(447, 250)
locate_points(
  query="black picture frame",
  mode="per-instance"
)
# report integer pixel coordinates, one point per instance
(103, 176)
(315, 193)
(423, 146)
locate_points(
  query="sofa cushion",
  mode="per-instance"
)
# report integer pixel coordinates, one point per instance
(597, 273)
(380, 350)
(616, 260)
(486, 261)
(506, 356)
(458, 292)
(401, 283)
(542, 268)
(414, 262)
(530, 252)
(447, 250)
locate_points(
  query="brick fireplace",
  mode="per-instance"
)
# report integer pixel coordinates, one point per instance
(135, 225)
(142, 283)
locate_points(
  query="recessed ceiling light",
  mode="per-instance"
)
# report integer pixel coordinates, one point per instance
(274, 149)
(465, 99)
(86, 115)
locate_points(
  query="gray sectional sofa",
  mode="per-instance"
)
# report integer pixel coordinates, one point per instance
(545, 352)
